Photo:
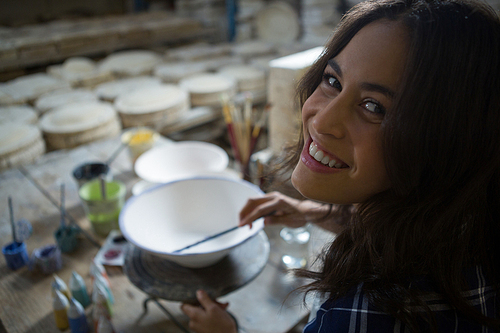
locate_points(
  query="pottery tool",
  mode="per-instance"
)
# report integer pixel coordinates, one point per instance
(215, 236)
(62, 209)
(12, 223)
(103, 187)
(116, 153)
(55, 203)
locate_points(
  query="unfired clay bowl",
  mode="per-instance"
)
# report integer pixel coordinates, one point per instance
(170, 216)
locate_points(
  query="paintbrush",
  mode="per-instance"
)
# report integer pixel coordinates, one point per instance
(63, 224)
(12, 223)
(214, 236)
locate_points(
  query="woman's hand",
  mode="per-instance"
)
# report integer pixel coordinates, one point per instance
(210, 317)
(277, 208)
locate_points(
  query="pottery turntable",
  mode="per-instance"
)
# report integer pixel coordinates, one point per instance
(161, 278)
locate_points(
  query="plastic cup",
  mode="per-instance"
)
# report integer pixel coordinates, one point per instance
(15, 255)
(139, 140)
(103, 213)
(67, 238)
(89, 171)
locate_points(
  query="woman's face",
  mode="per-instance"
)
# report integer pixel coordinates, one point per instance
(342, 159)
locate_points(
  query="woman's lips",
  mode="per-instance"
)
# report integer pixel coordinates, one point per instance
(320, 161)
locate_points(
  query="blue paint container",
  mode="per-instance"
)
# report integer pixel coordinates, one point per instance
(76, 316)
(15, 255)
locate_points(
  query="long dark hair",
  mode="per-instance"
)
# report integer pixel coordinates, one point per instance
(441, 144)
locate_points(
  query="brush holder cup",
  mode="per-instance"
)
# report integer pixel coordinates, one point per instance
(15, 255)
(103, 212)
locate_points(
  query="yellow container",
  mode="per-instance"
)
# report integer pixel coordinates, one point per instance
(139, 140)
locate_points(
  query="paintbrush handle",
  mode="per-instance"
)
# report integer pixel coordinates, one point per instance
(12, 223)
(207, 239)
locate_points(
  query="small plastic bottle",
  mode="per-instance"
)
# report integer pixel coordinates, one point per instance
(79, 289)
(59, 284)
(99, 279)
(61, 305)
(97, 269)
(104, 325)
(76, 317)
(102, 306)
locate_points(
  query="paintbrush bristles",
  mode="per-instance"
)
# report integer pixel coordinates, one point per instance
(244, 127)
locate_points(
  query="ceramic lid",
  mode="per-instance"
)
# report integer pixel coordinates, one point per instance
(208, 83)
(176, 71)
(132, 62)
(77, 117)
(18, 114)
(58, 98)
(151, 99)
(14, 136)
(29, 87)
(278, 23)
(110, 90)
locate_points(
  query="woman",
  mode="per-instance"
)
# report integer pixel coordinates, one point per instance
(400, 119)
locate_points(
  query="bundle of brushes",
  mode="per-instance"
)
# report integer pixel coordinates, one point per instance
(244, 128)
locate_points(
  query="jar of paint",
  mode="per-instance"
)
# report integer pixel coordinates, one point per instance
(89, 171)
(103, 211)
(15, 255)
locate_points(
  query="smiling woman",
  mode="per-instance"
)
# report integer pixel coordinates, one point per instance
(400, 136)
(342, 117)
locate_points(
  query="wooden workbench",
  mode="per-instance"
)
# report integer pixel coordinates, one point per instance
(25, 296)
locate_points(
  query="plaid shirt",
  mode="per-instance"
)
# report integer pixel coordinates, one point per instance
(354, 313)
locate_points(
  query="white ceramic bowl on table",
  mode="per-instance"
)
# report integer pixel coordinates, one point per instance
(171, 216)
(182, 159)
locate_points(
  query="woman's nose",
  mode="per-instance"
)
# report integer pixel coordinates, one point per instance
(332, 117)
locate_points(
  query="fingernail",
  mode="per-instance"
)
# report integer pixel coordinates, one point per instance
(199, 293)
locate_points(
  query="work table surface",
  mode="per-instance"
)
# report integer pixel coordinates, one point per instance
(25, 296)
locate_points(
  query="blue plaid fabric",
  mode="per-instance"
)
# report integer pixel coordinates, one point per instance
(354, 313)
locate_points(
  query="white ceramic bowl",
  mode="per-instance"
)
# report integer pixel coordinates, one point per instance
(179, 160)
(170, 216)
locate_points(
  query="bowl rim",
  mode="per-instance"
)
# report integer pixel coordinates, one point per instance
(153, 188)
(222, 164)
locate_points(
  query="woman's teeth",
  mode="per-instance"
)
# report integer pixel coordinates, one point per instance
(321, 157)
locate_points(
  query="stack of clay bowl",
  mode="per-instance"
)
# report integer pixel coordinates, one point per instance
(62, 97)
(155, 105)
(18, 114)
(25, 89)
(130, 63)
(75, 124)
(109, 91)
(250, 79)
(80, 72)
(251, 49)
(176, 71)
(20, 143)
(207, 89)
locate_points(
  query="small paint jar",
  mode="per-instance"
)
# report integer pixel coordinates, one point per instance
(47, 259)
(66, 238)
(15, 255)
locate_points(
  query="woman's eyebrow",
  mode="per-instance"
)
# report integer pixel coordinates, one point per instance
(333, 64)
(365, 85)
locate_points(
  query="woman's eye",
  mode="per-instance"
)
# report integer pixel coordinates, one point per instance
(374, 107)
(332, 81)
